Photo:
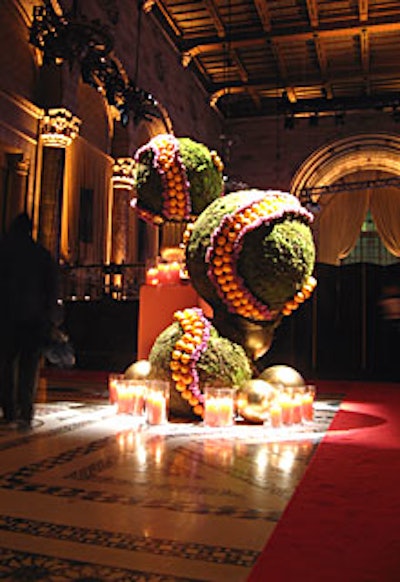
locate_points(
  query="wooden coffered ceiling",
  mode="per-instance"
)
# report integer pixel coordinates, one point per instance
(292, 57)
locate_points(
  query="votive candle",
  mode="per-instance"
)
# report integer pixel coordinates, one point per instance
(275, 415)
(157, 402)
(308, 402)
(218, 406)
(113, 378)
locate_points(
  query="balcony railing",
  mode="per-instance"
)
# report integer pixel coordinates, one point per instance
(93, 282)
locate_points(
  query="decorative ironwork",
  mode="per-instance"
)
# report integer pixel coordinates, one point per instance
(67, 38)
(59, 128)
(307, 195)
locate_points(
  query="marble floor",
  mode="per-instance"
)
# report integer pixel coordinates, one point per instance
(89, 495)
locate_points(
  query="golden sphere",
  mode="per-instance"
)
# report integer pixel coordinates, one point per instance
(138, 370)
(282, 375)
(254, 399)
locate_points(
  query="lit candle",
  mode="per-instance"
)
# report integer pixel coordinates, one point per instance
(218, 407)
(175, 269)
(163, 274)
(152, 276)
(113, 378)
(287, 410)
(130, 396)
(297, 409)
(156, 406)
(157, 402)
(308, 403)
(138, 398)
(275, 414)
(124, 397)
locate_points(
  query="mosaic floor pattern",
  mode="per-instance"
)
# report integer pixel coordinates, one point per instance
(90, 496)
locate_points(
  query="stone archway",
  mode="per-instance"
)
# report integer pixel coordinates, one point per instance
(354, 164)
(348, 156)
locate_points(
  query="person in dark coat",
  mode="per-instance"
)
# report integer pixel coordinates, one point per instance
(28, 308)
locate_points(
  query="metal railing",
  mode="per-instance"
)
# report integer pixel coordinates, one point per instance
(93, 282)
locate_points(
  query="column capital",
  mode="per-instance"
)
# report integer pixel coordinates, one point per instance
(123, 174)
(59, 127)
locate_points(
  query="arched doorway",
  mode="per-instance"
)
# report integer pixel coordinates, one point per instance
(351, 179)
(370, 161)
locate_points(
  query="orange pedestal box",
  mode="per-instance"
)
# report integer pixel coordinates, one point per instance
(157, 305)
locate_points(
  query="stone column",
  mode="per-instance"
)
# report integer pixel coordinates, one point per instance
(123, 221)
(16, 189)
(59, 127)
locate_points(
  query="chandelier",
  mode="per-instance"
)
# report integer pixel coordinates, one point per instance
(67, 38)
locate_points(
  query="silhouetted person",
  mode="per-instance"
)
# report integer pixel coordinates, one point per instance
(28, 307)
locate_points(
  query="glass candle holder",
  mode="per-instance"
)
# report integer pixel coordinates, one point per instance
(157, 402)
(297, 400)
(275, 414)
(219, 406)
(113, 378)
(131, 396)
(152, 272)
(308, 398)
(287, 406)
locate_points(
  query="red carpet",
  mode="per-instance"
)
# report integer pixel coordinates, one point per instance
(343, 522)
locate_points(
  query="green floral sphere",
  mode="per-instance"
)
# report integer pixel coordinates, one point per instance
(176, 179)
(191, 354)
(251, 254)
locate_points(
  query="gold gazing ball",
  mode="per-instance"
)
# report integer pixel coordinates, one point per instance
(282, 375)
(254, 399)
(138, 370)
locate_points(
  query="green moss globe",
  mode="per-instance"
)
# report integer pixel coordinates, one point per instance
(197, 169)
(221, 363)
(260, 239)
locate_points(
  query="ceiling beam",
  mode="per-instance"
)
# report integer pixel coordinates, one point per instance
(312, 9)
(365, 58)
(265, 18)
(219, 26)
(305, 108)
(217, 90)
(193, 48)
(323, 65)
(363, 10)
(263, 14)
(245, 78)
(165, 13)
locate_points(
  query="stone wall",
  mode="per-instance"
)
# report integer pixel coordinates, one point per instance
(266, 155)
